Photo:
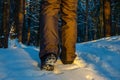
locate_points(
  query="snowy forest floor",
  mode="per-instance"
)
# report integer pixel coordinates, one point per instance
(97, 60)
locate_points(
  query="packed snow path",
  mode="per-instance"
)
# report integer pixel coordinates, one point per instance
(97, 60)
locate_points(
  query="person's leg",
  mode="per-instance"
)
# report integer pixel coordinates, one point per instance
(69, 30)
(49, 27)
(49, 34)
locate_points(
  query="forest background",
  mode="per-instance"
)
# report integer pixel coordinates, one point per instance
(19, 19)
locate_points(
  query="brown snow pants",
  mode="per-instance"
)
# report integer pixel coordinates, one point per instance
(50, 40)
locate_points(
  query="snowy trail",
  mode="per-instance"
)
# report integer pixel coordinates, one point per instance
(97, 60)
(17, 64)
(103, 55)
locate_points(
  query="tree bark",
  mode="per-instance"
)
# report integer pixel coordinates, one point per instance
(86, 30)
(107, 18)
(101, 20)
(29, 25)
(28, 32)
(19, 17)
(5, 25)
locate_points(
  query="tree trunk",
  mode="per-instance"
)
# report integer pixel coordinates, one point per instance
(28, 32)
(29, 25)
(107, 18)
(20, 19)
(5, 25)
(1, 28)
(86, 30)
(101, 20)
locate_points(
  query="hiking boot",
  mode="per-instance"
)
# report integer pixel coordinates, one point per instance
(48, 61)
(67, 58)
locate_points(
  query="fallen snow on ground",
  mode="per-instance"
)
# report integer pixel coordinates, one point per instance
(97, 60)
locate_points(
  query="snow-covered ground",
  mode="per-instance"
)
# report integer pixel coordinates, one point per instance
(97, 60)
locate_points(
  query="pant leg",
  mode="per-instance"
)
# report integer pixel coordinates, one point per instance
(69, 29)
(49, 27)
